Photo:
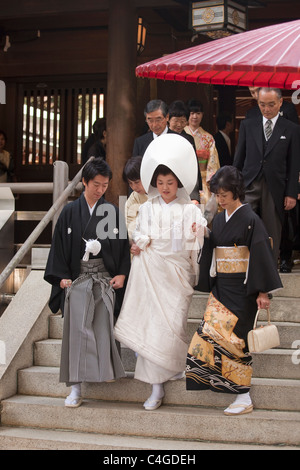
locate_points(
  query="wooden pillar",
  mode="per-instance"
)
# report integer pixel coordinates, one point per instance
(121, 91)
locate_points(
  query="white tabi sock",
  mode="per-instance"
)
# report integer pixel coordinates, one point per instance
(243, 399)
(75, 391)
(157, 392)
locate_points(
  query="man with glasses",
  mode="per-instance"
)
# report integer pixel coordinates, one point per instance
(268, 155)
(157, 116)
(291, 218)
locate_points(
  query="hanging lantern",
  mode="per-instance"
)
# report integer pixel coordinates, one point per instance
(218, 18)
(141, 35)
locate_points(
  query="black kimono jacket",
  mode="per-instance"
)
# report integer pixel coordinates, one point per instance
(68, 247)
(244, 228)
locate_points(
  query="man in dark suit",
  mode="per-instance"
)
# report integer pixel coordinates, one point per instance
(222, 138)
(289, 111)
(268, 153)
(157, 116)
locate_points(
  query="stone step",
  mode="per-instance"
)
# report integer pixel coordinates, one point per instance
(274, 363)
(168, 422)
(291, 284)
(49, 439)
(283, 309)
(279, 394)
(289, 332)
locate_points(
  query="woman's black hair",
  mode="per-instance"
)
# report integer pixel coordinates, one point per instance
(228, 178)
(95, 167)
(164, 170)
(4, 135)
(99, 127)
(195, 106)
(178, 109)
(132, 169)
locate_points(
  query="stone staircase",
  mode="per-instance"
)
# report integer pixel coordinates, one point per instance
(112, 416)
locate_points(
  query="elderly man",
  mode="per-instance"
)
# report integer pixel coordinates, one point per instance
(157, 116)
(268, 155)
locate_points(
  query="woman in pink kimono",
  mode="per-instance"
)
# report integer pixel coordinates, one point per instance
(206, 150)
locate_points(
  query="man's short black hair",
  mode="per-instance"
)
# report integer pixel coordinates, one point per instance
(222, 119)
(95, 167)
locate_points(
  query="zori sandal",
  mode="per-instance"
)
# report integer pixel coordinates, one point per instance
(244, 409)
(73, 402)
(151, 405)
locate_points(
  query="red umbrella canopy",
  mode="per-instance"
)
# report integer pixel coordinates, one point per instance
(268, 56)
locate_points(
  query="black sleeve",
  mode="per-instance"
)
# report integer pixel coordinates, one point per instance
(58, 267)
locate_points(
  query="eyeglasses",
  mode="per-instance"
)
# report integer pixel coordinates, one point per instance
(158, 120)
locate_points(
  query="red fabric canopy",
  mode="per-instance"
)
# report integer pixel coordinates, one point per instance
(267, 56)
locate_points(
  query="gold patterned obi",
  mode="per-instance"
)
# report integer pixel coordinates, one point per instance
(234, 259)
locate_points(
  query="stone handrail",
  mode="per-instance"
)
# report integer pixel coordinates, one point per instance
(40, 227)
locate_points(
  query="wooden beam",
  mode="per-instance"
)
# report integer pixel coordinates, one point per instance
(121, 91)
(25, 9)
(21, 9)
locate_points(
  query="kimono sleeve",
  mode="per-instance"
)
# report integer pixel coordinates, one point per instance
(205, 282)
(124, 259)
(58, 267)
(142, 234)
(262, 272)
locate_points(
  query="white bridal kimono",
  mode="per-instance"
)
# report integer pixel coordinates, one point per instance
(153, 318)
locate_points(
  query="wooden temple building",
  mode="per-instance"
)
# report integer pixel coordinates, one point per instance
(65, 63)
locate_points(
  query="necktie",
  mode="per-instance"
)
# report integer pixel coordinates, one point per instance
(268, 129)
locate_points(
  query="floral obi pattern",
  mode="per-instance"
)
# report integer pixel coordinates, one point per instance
(234, 259)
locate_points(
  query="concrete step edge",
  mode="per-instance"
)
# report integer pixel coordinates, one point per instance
(286, 324)
(277, 363)
(266, 393)
(130, 376)
(172, 422)
(274, 351)
(15, 438)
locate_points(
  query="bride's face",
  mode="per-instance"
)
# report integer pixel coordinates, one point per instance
(167, 186)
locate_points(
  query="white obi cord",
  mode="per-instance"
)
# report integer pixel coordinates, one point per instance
(93, 247)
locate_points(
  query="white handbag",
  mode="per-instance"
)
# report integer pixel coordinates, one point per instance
(263, 338)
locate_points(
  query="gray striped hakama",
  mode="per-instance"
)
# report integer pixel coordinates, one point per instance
(89, 351)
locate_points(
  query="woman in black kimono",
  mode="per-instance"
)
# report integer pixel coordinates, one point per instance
(87, 266)
(242, 275)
